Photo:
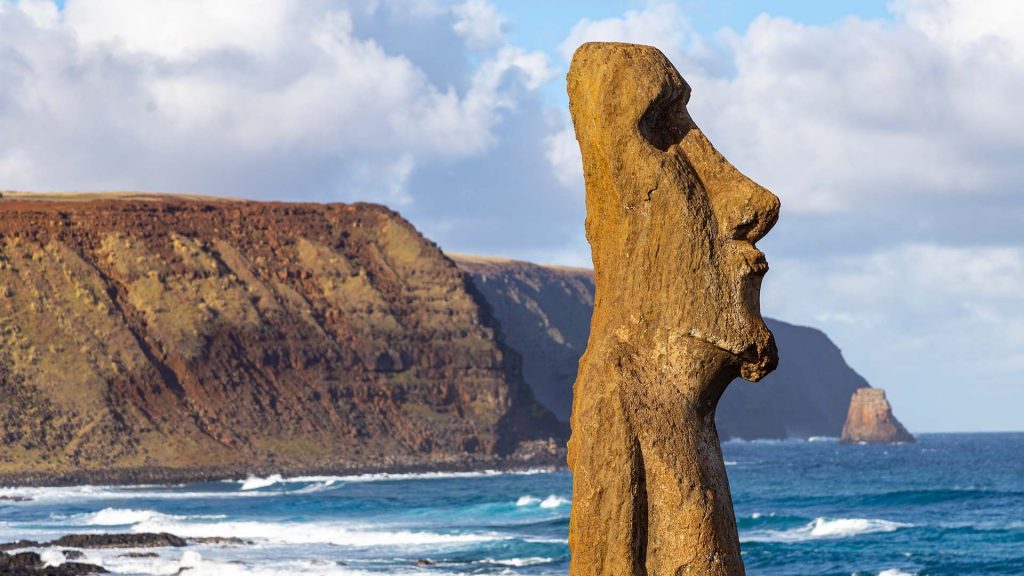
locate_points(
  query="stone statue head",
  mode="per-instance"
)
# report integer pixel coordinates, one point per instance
(672, 224)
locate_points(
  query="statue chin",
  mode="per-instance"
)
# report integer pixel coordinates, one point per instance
(767, 360)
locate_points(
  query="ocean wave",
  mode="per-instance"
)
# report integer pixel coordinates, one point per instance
(389, 476)
(255, 482)
(193, 563)
(823, 439)
(128, 516)
(527, 500)
(87, 492)
(317, 487)
(894, 572)
(51, 557)
(824, 528)
(518, 562)
(309, 533)
(904, 497)
(553, 501)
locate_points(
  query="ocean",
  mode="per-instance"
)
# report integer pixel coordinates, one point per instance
(952, 504)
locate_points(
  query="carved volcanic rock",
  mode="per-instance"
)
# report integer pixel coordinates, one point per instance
(870, 420)
(672, 227)
(545, 313)
(141, 333)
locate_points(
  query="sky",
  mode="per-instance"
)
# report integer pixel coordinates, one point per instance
(892, 132)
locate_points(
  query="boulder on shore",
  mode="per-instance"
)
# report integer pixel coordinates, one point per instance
(870, 420)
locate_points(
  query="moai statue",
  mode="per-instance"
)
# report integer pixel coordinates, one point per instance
(672, 226)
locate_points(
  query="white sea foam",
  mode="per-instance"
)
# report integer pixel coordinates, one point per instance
(894, 572)
(518, 562)
(119, 517)
(190, 559)
(249, 486)
(85, 493)
(527, 500)
(51, 557)
(127, 516)
(192, 563)
(553, 501)
(255, 482)
(308, 533)
(823, 439)
(730, 462)
(821, 528)
(317, 487)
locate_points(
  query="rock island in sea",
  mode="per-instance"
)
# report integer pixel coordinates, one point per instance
(870, 420)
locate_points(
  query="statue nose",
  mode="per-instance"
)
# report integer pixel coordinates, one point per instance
(753, 210)
(744, 209)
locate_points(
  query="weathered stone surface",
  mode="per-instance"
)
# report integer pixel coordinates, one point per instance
(672, 227)
(870, 420)
(147, 336)
(545, 313)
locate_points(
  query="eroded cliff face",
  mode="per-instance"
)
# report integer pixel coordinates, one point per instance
(870, 420)
(203, 334)
(545, 313)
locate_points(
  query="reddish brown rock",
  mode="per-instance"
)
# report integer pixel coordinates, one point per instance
(672, 226)
(152, 332)
(870, 420)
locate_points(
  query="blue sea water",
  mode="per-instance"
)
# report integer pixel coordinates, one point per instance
(953, 504)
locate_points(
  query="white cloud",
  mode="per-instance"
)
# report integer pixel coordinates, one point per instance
(924, 320)
(838, 118)
(563, 152)
(660, 24)
(176, 29)
(210, 97)
(480, 23)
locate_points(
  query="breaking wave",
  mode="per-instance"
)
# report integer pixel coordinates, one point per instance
(255, 483)
(518, 562)
(337, 534)
(822, 528)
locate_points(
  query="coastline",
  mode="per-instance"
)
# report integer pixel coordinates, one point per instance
(156, 475)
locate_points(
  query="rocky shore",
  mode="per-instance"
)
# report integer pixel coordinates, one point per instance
(68, 549)
(544, 457)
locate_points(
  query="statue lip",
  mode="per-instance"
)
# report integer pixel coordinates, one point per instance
(756, 261)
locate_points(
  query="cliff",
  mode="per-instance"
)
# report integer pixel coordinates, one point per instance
(870, 420)
(545, 314)
(142, 333)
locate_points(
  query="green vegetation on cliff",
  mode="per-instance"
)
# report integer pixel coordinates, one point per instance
(192, 334)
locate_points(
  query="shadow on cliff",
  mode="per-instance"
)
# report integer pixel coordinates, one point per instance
(528, 420)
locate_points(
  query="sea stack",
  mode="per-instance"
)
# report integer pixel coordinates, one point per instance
(870, 420)
(672, 226)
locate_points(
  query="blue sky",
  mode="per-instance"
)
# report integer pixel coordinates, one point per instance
(890, 130)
